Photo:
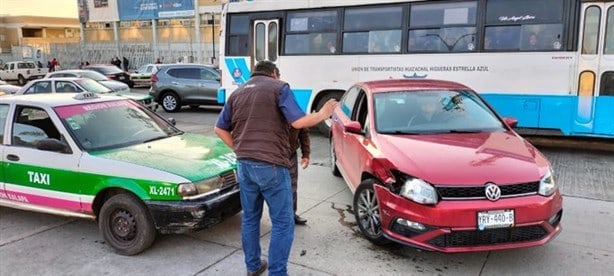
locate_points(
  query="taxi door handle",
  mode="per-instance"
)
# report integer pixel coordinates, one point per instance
(12, 157)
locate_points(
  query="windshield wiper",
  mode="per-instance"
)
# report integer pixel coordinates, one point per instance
(400, 132)
(464, 131)
(155, 139)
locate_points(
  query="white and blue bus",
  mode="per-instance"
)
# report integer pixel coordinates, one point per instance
(548, 63)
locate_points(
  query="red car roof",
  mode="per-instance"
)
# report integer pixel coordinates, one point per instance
(390, 85)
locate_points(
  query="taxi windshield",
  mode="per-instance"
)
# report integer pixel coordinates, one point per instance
(113, 124)
(428, 112)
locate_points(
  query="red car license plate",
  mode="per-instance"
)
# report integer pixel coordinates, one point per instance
(495, 219)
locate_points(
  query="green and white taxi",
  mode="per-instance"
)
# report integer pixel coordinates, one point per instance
(110, 159)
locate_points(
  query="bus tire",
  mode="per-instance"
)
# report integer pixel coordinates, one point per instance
(126, 224)
(324, 126)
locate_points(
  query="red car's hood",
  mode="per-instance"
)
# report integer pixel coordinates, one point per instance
(465, 159)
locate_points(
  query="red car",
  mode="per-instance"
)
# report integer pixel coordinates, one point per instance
(431, 165)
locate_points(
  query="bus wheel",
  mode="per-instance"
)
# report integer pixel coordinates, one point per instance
(126, 225)
(324, 126)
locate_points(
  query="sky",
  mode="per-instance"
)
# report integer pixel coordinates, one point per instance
(51, 8)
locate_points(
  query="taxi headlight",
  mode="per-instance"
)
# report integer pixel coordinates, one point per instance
(546, 185)
(200, 187)
(419, 191)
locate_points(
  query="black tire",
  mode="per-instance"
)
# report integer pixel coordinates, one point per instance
(21, 80)
(126, 224)
(324, 127)
(367, 213)
(170, 102)
(333, 159)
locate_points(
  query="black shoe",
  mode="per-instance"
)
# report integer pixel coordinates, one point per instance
(263, 267)
(299, 220)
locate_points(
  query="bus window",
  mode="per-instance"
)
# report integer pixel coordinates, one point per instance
(541, 37)
(609, 33)
(525, 25)
(607, 84)
(502, 38)
(259, 37)
(373, 30)
(238, 36)
(447, 27)
(590, 39)
(312, 32)
(272, 41)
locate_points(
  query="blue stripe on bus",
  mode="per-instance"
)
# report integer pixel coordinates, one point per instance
(572, 115)
(238, 70)
(302, 97)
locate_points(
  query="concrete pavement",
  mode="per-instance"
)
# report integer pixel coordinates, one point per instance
(330, 244)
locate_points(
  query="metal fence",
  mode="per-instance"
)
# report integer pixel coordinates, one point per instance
(71, 55)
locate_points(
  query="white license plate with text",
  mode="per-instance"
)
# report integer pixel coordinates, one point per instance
(495, 219)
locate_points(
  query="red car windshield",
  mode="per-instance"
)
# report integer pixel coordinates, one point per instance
(425, 112)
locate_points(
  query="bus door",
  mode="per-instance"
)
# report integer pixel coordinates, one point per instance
(266, 41)
(595, 69)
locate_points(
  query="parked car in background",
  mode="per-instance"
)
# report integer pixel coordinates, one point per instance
(21, 71)
(112, 72)
(7, 88)
(74, 85)
(142, 76)
(432, 165)
(116, 86)
(108, 159)
(176, 85)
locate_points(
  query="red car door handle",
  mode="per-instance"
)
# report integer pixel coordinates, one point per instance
(12, 157)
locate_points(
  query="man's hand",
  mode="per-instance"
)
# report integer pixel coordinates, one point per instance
(304, 162)
(329, 107)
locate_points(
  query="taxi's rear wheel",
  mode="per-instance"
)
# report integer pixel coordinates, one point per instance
(126, 225)
(170, 102)
(366, 211)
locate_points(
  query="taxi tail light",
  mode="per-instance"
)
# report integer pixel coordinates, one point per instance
(382, 170)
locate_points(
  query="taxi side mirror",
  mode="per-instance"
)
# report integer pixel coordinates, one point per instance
(51, 144)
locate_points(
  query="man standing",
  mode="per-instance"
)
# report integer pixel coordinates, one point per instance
(254, 123)
(299, 138)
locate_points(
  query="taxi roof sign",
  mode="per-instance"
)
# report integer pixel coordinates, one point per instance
(86, 96)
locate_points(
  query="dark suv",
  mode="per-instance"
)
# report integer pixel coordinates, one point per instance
(176, 85)
(112, 72)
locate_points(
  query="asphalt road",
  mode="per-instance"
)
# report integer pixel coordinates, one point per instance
(330, 244)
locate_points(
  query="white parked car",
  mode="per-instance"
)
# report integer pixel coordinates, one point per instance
(74, 85)
(116, 86)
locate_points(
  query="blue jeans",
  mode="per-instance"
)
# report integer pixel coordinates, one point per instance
(262, 181)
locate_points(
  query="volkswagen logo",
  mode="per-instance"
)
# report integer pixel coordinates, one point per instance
(492, 191)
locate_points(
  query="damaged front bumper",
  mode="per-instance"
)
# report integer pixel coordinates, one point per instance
(177, 217)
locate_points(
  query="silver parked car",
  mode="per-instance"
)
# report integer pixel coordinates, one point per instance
(116, 86)
(176, 85)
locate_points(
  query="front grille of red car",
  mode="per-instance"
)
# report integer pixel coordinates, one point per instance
(478, 192)
(489, 236)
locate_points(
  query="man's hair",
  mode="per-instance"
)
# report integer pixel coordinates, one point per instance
(266, 67)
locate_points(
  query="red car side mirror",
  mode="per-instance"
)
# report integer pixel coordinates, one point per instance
(353, 127)
(510, 122)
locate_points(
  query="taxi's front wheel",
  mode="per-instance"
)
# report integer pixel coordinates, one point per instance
(126, 225)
